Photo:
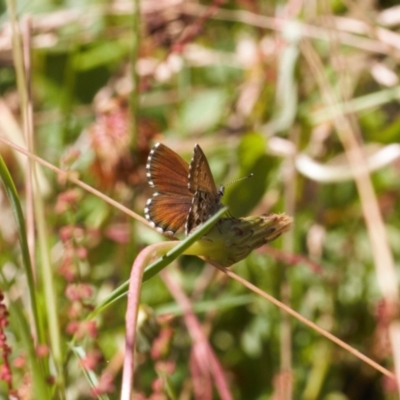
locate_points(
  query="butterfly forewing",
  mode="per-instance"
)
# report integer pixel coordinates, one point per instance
(200, 176)
(206, 197)
(167, 172)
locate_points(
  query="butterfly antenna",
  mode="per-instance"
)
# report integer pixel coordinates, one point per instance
(240, 179)
(221, 190)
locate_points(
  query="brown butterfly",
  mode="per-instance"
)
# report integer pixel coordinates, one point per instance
(185, 196)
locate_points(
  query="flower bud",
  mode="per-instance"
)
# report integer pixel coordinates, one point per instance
(232, 239)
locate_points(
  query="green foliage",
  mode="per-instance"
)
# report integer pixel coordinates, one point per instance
(203, 111)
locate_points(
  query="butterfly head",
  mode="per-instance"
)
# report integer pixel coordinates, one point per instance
(221, 191)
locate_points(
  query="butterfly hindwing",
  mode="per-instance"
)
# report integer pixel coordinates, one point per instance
(168, 214)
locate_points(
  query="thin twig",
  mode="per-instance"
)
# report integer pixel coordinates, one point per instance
(305, 321)
(70, 177)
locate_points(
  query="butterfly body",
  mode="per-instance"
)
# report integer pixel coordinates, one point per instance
(185, 196)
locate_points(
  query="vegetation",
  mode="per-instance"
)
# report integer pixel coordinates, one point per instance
(303, 95)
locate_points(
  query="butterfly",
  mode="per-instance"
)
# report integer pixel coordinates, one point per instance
(185, 194)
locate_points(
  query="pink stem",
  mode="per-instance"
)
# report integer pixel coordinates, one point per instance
(142, 260)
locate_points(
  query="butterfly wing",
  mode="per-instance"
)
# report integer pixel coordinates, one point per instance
(167, 173)
(168, 214)
(206, 197)
(200, 176)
